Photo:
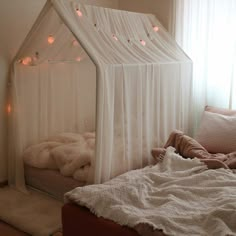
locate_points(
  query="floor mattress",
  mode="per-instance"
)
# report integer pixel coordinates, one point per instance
(50, 181)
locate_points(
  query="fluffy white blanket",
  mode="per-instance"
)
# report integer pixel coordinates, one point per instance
(179, 196)
(68, 152)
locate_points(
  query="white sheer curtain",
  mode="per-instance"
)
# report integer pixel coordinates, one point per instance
(205, 29)
(141, 88)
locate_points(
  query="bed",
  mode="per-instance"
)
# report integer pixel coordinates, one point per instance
(210, 194)
(59, 163)
(78, 220)
(50, 181)
(166, 199)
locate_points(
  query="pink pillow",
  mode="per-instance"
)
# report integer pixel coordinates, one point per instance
(222, 111)
(217, 133)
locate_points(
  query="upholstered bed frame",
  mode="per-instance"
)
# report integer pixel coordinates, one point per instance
(50, 181)
(79, 221)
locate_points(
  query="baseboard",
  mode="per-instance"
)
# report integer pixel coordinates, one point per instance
(3, 183)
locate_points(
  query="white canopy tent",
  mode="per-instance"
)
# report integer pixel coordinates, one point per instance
(88, 68)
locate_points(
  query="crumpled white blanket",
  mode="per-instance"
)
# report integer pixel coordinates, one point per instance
(68, 152)
(179, 196)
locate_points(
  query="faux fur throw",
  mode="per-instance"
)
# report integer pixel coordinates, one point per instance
(179, 196)
(68, 152)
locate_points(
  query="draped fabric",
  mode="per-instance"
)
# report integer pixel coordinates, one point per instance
(206, 31)
(116, 72)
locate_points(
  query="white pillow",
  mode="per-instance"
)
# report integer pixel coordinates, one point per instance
(217, 133)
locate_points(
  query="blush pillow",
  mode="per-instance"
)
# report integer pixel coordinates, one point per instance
(217, 132)
(222, 111)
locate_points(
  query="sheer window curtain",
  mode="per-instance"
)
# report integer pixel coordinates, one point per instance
(206, 30)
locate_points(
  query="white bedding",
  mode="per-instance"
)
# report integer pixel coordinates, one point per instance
(70, 153)
(179, 196)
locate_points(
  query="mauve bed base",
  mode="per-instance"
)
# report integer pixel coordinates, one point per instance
(79, 221)
(50, 181)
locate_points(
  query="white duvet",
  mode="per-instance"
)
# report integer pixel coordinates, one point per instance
(179, 196)
(68, 152)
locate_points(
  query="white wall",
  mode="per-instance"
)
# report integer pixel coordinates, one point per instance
(3, 85)
(161, 8)
(16, 19)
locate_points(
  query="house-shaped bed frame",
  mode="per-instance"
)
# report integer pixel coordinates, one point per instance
(83, 68)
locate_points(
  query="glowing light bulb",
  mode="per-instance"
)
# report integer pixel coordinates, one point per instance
(75, 43)
(78, 59)
(155, 28)
(51, 39)
(26, 61)
(9, 108)
(114, 37)
(79, 13)
(143, 42)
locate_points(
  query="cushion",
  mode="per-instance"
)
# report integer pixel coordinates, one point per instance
(222, 111)
(217, 132)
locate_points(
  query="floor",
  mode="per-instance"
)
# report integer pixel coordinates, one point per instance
(8, 230)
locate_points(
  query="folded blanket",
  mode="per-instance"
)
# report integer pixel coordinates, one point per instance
(190, 148)
(231, 160)
(179, 196)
